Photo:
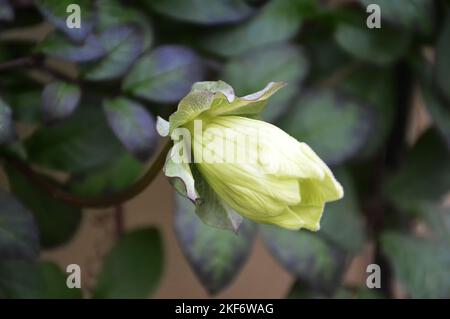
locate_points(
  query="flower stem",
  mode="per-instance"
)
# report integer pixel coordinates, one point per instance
(26, 61)
(92, 202)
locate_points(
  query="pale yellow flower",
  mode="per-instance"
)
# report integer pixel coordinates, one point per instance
(280, 180)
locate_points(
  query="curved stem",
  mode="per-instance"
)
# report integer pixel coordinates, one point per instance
(94, 202)
(20, 62)
(37, 61)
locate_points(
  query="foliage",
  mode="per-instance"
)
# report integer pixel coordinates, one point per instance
(90, 97)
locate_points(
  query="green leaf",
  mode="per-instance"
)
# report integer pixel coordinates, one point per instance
(164, 75)
(216, 255)
(214, 12)
(123, 44)
(285, 63)
(326, 57)
(6, 11)
(437, 217)
(55, 12)
(422, 267)
(337, 128)
(21, 279)
(57, 222)
(342, 221)
(57, 46)
(361, 293)
(59, 100)
(55, 283)
(133, 268)
(306, 256)
(439, 111)
(380, 46)
(408, 14)
(422, 178)
(19, 237)
(81, 142)
(110, 178)
(278, 21)
(377, 87)
(7, 131)
(442, 68)
(25, 105)
(133, 125)
(113, 13)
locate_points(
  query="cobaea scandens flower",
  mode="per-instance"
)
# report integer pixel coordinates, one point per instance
(231, 164)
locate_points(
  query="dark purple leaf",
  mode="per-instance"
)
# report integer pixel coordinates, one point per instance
(336, 127)
(165, 74)
(56, 45)
(216, 255)
(59, 100)
(6, 11)
(306, 256)
(123, 44)
(7, 132)
(214, 12)
(133, 125)
(19, 236)
(56, 12)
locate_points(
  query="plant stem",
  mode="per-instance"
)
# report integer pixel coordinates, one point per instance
(36, 61)
(94, 202)
(27, 61)
(119, 220)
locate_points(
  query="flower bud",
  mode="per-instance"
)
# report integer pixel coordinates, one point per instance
(254, 168)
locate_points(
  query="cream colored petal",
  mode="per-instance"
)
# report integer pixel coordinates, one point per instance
(329, 185)
(310, 215)
(250, 193)
(277, 153)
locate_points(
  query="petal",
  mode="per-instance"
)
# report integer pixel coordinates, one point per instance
(250, 194)
(329, 188)
(280, 154)
(180, 176)
(288, 219)
(310, 215)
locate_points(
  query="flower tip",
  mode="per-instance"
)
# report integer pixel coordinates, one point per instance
(340, 191)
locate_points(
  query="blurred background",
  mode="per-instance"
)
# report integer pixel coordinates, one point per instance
(77, 131)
